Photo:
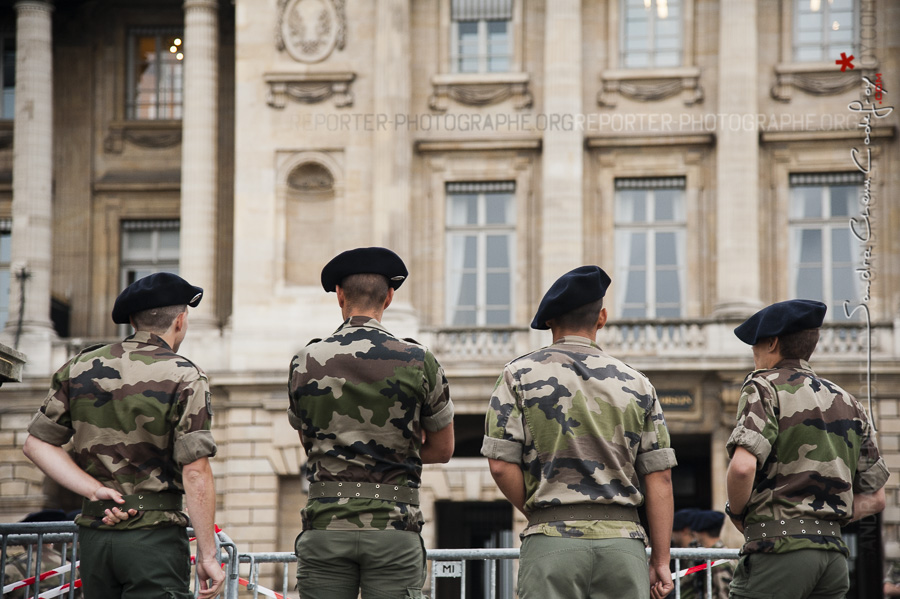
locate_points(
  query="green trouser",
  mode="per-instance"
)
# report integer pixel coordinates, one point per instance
(339, 564)
(563, 568)
(804, 574)
(149, 563)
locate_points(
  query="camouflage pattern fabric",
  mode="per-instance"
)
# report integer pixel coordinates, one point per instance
(814, 449)
(135, 412)
(20, 564)
(583, 426)
(360, 400)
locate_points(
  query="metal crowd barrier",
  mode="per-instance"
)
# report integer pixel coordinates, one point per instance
(34, 542)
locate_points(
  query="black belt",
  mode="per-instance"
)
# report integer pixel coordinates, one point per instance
(584, 511)
(352, 490)
(788, 527)
(165, 502)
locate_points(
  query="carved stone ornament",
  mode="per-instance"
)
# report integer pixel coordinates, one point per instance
(480, 93)
(310, 30)
(825, 82)
(651, 86)
(144, 135)
(309, 88)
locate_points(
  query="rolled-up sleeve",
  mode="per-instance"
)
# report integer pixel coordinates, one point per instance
(757, 426)
(52, 423)
(504, 426)
(193, 438)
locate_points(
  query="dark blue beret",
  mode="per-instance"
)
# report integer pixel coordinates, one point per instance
(574, 289)
(684, 518)
(708, 521)
(154, 291)
(375, 260)
(782, 318)
(46, 516)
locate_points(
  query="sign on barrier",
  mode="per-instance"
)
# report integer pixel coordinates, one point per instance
(448, 569)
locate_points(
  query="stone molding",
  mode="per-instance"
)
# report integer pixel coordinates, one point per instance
(480, 89)
(309, 88)
(650, 85)
(815, 79)
(144, 134)
(292, 32)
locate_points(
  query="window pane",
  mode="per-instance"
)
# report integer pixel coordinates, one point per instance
(631, 206)
(810, 246)
(467, 290)
(668, 205)
(806, 202)
(138, 244)
(808, 54)
(638, 253)
(496, 317)
(844, 199)
(841, 246)
(498, 208)
(464, 317)
(498, 251)
(497, 289)
(668, 289)
(843, 284)
(636, 289)
(462, 209)
(666, 250)
(809, 283)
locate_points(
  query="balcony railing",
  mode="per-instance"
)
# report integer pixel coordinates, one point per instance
(688, 339)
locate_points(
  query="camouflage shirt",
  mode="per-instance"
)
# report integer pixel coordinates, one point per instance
(360, 400)
(136, 412)
(583, 426)
(814, 449)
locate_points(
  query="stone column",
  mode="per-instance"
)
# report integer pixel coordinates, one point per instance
(199, 160)
(563, 151)
(29, 327)
(737, 162)
(392, 149)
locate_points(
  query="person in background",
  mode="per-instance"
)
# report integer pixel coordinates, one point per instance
(707, 527)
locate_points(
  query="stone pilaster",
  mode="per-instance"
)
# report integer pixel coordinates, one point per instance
(737, 162)
(199, 154)
(562, 185)
(29, 328)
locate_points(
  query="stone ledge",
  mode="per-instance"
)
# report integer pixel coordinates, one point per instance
(480, 89)
(650, 85)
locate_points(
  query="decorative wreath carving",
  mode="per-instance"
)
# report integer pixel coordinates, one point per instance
(310, 30)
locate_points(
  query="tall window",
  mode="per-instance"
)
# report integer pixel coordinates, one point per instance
(8, 76)
(481, 36)
(5, 258)
(650, 247)
(652, 35)
(155, 74)
(823, 29)
(824, 252)
(148, 246)
(481, 225)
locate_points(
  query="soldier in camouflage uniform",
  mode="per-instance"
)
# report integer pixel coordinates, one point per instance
(370, 409)
(576, 440)
(707, 526)
(803, 463)
(138, 417)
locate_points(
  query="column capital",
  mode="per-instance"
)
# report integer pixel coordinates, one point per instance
(33, 5)
(200, 4)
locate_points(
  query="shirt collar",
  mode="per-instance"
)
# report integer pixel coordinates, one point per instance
(795, 363)
(362, 321)
(148, 338)
(576, 340)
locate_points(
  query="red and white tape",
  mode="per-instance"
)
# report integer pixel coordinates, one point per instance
(698, 568)
(42, 576)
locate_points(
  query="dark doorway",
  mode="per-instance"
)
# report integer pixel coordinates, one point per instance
(692, 478)
(473, 525)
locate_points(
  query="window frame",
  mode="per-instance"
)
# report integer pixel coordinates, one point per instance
(652, 228)
(7, 102)
(481, 231)
(828, 49)
(826, 224)
(652, 37)
(132, 110)
(483, 55)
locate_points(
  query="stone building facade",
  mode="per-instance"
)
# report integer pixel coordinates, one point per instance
(709, 154)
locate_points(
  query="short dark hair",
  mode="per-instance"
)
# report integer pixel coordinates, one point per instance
(366, 291)
(582, 317)
(157, 320)
(799, 345)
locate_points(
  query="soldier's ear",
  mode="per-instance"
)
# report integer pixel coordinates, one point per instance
(389, 298)
(601, 319)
